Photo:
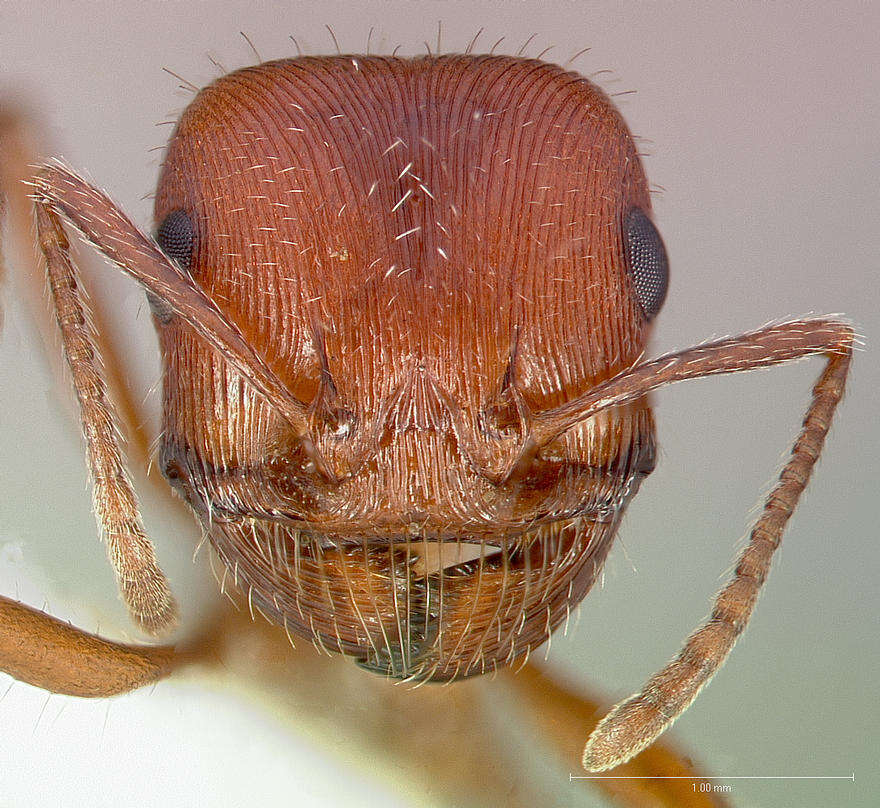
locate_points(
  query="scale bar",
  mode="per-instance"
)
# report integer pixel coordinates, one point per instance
(851, 777)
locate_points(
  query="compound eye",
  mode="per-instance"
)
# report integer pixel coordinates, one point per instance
(647, 261)
(176, 237)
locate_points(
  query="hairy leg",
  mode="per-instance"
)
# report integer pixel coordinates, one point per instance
(48, 653)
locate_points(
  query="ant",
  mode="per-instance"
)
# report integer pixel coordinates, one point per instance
(402, 308)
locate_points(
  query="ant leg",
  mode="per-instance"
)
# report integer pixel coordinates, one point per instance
(12, 151)
(48, 653)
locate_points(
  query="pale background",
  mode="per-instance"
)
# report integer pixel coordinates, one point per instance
(763, 123)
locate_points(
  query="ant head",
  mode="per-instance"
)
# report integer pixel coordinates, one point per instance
(481, 221)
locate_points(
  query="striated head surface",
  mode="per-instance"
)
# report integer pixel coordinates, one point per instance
(425, 252)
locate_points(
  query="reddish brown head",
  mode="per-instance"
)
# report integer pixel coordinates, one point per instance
(426, 253)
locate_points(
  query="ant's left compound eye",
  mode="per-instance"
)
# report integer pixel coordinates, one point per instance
(647, 261)
(176, 237)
